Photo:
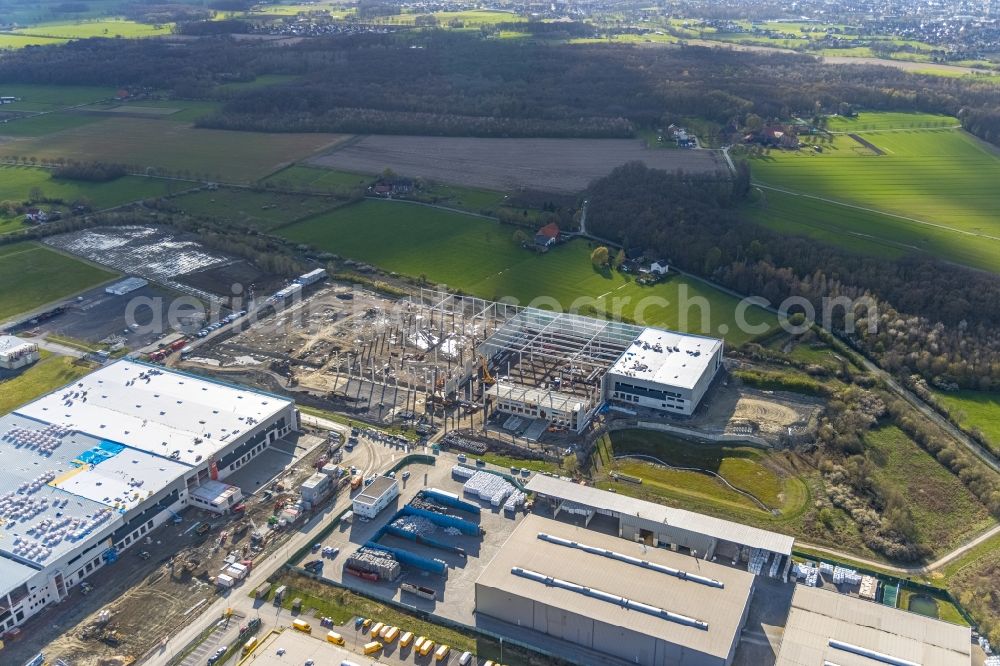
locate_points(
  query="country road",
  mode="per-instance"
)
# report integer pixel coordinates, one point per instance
(909, 571)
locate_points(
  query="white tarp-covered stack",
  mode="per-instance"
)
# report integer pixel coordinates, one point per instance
(488, 487)
(515, 501)
(462, 473)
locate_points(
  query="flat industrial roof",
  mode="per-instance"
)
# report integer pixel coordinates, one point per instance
(164, 412)
(37, 462)
(10, 344)
(697, 523)
(720, 606)
(215, 492)
(821, 616)
(666, 357)
(372, 492)
(563, 402)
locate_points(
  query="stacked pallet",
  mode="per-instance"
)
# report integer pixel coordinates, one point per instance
(378, 562)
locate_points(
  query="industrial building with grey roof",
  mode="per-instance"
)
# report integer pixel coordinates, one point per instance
(636, 604)
(763, 551)
(825, 627)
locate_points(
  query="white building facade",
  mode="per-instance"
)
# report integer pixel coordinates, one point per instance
(665, 371)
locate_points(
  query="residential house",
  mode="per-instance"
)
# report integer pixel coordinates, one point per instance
(547, 236)
(659, 267)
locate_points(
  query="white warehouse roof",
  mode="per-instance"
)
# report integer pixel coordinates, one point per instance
(614, 503)
(11, 346)
(828, 627)
(665, 357)
(166, 413)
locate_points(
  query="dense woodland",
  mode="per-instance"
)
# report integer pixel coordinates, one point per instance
(440, 82)
(934, 319)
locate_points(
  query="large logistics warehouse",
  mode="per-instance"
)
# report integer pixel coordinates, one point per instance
(92, 467)
(829, 628)
(644, 606)
(706, 537)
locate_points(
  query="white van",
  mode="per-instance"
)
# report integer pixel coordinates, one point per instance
(465, 659)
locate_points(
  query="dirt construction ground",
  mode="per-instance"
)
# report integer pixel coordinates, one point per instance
(767, 414)
(554, 165)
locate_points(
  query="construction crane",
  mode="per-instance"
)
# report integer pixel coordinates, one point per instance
(487, 377)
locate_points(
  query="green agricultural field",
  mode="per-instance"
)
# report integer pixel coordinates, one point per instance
(46, 123)
(866, 231)
(975, 409)
(944, 511)
(39, 97)
(182, 111)
(466, 198)
(317, 179)
(260, 210)
(939, 183)
(482, 258)
(48, 374)
(890, 120)
(150, 143)
(33, 275)
(9, 224)
(13, 41)
(17, 183)
(97, 28)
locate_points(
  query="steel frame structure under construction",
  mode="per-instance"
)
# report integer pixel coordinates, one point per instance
(574, 352)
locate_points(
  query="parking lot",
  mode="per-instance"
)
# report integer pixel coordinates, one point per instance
(96, 316)
(455, 592)
(288, 647)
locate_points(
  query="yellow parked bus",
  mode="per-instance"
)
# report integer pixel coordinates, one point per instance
(249, 645)
(301, 625)
(373, 647)
(442, 653)
(391, 635)
(377, 627)
(426, 648)
(335, 638)
(419, 644)
(406, 639)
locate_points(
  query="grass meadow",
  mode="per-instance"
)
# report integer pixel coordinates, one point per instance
(17, 182)
(482, 258)
(48, 374)
(33, 275)
(944, 511)
(745, 467)
(317, 179)
(109, 27)
(248, 208)
(940, 184)
(40, 97)
(975, 409)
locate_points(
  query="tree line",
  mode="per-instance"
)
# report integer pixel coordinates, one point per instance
(448, 82)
